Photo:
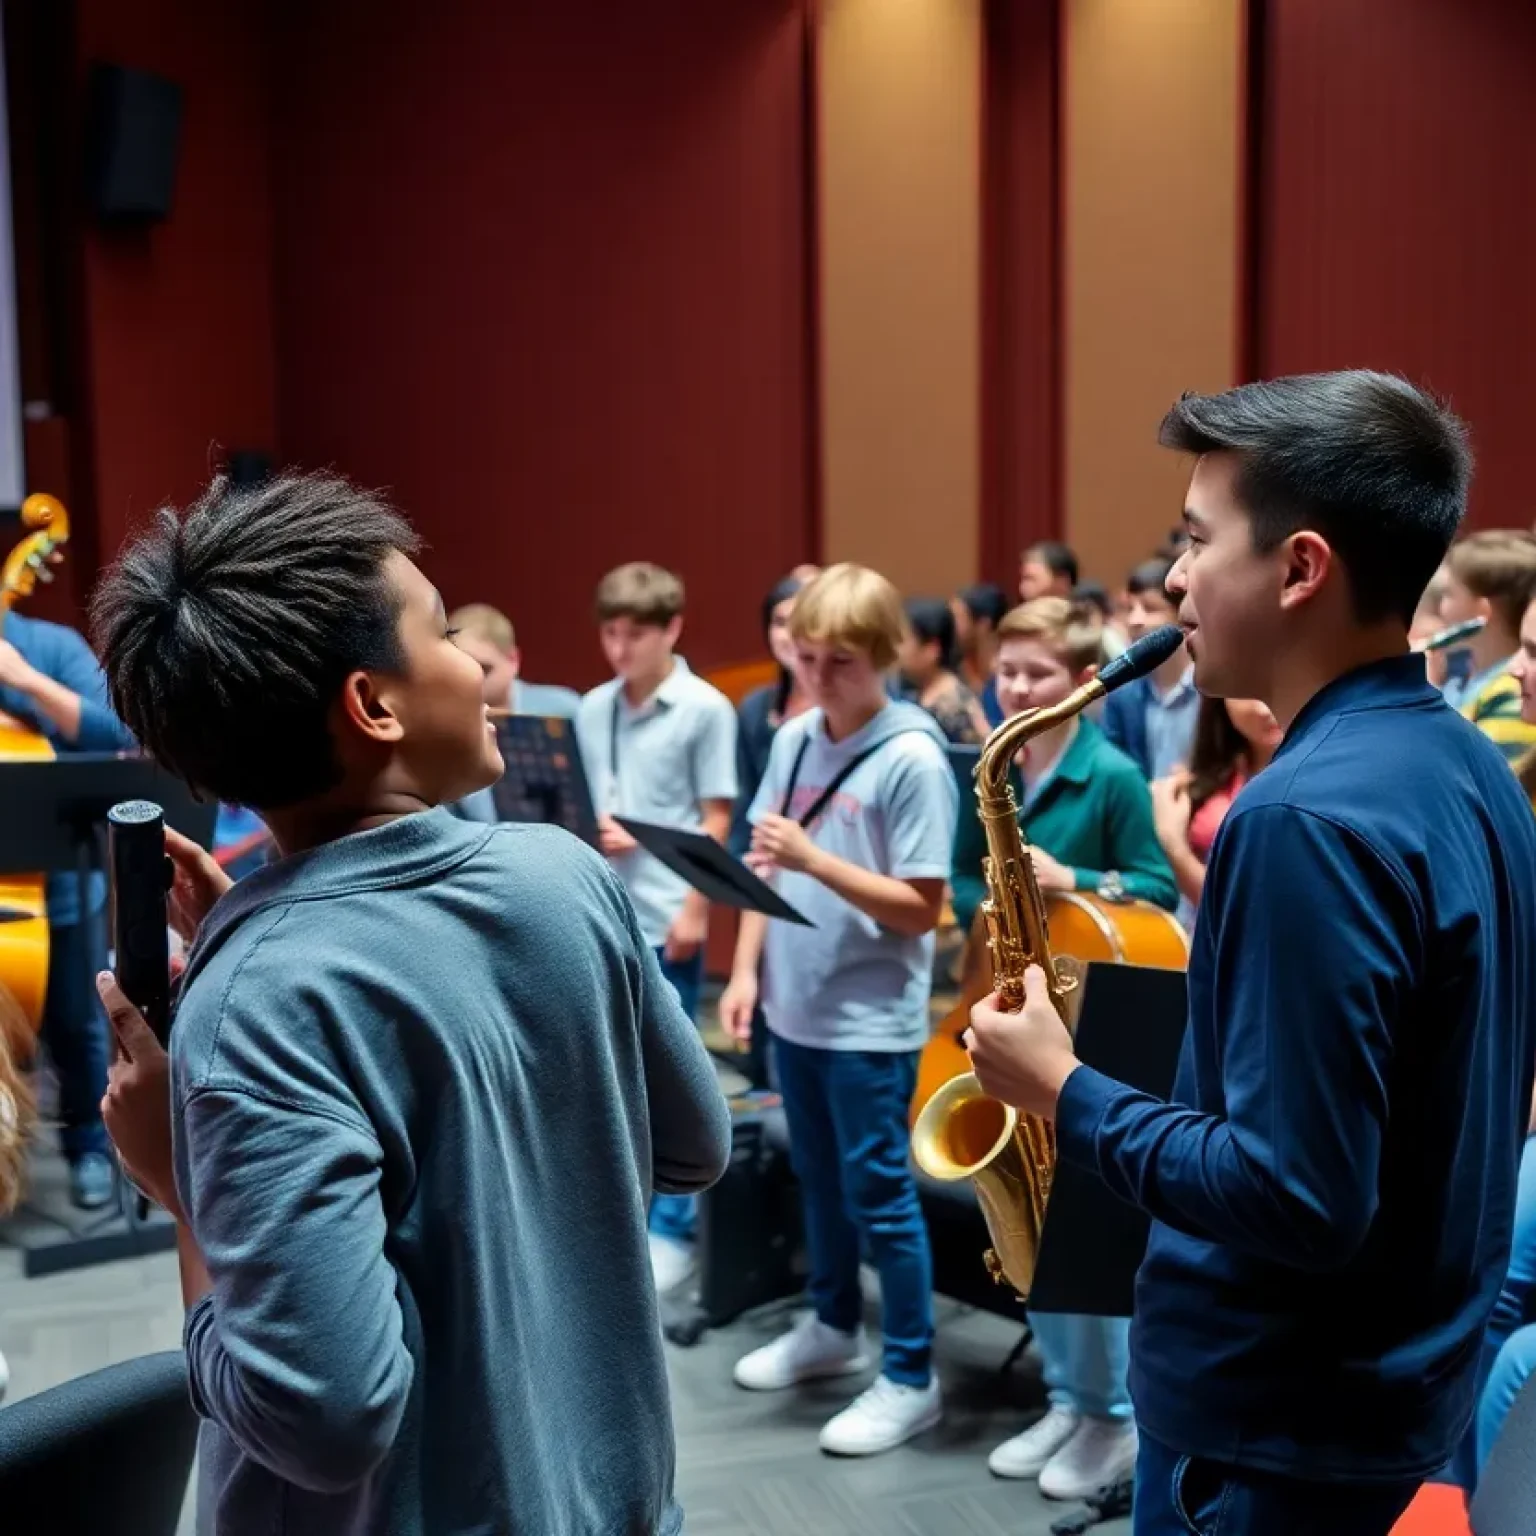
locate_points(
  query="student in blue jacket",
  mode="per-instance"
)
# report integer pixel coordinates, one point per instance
(1333, 1184)
(50, 682)
(425, 1073)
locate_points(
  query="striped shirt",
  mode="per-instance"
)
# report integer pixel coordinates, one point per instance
(1492, 704)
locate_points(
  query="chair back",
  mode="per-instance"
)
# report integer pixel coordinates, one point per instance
(108, 1454)
(1505, 1501)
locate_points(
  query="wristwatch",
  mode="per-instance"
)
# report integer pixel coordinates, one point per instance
(1111, 886)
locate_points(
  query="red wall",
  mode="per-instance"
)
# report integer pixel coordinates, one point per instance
(1396, 210)
(1021, 371)
(178, 354)
(541, 271)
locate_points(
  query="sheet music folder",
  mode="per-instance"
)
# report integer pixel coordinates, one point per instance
(708, 868)
(1131, 1028)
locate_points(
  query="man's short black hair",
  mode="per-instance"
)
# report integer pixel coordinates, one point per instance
(226, 632)
(932, 622)
(1150, 576)
(1093, 594)
(1056, 557)
(1374, 464)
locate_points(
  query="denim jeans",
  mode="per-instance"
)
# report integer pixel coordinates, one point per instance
(1515, 1307)
(1179, 1496)
(677, 1216)
(75, 1032)
(847, 1118)
(1513, 1366)
(1085, 1360)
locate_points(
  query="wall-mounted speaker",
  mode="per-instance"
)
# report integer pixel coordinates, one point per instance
(134, 141)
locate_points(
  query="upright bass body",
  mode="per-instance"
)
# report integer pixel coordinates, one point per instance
(961, 1132)
(23, 904)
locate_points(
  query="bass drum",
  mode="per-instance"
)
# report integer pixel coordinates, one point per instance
(1084, 929)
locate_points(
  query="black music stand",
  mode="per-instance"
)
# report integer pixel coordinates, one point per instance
(1131, 1028)
(709, 868)
(51, 820)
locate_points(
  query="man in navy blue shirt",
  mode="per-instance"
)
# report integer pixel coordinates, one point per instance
(1332, 1185)
(50, 682)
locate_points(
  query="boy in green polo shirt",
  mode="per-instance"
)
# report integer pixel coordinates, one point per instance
(1088, 817)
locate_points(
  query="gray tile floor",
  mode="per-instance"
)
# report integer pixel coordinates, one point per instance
(748, 1464)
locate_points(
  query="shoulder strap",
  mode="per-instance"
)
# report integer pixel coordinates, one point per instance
(820, 803)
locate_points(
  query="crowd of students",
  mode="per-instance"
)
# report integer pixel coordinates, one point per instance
(832, 780)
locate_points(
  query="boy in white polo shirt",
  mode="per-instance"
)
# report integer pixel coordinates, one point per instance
(854, 821)
(658, 744)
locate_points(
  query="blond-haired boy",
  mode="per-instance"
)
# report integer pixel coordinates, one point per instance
(853, 822)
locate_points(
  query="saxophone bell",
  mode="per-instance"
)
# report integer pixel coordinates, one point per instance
(962, 1132)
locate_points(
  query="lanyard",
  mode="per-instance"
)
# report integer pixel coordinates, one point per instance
(820, 803)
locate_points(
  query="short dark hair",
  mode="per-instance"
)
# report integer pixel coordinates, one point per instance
(932, 622)
(641, 591)
(1055, 557)
(985, 600)
(1093, 594)
(227, 631)
(1149, 576)
(1376, 465)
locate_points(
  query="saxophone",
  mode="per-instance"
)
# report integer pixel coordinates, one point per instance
(962, 1132)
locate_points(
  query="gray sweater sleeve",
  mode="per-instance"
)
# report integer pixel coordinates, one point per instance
(298, 1353)
(690, 1123)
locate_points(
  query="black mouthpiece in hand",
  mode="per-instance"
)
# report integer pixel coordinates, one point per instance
(136, 841)
(1147, 654)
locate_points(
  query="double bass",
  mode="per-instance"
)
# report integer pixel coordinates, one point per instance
(23, 904)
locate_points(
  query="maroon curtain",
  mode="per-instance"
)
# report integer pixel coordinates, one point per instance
(1395, 208)
(542, 273)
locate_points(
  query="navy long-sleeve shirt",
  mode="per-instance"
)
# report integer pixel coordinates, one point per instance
(61, 654)
(1332, 1185)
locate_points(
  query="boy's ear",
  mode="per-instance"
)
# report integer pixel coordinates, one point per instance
(674, 629)
(1088, 674)
(365, 708)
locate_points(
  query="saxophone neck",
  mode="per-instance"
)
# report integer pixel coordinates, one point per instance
(1002, 746)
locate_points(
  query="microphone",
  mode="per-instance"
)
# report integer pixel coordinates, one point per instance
(1141, 657)
(141, 877)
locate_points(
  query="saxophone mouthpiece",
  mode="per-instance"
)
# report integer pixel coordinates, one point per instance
(1145, 655)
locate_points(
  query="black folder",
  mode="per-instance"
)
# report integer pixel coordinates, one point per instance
(708, 868)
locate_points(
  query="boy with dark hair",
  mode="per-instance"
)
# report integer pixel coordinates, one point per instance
(1358, 1065)
(1048, 569)
(659, 744)
(1491, 576)
(1153, 719)
(424, 1074)
(978, 610)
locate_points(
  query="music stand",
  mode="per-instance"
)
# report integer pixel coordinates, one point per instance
(709, 868)
(51, 815)
(544, 779)
(1131, 1028)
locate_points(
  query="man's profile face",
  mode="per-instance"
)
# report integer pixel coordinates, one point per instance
(1228, 594)
(1037, 579)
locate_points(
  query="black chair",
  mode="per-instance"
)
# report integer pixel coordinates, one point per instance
(108, 1454)
(1505, 1501)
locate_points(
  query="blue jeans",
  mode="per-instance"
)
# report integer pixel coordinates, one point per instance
(1514, 1364)
(75, 1031)
(1085, 1362)
(1177, 1495)
(1515, 1307)
(847, 1118)
(677, 1216)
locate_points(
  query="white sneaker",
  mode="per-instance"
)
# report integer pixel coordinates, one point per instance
(1100, 1452)
(673, 1264)
(808, 1351)
(882, 1417)
(1026, 1454)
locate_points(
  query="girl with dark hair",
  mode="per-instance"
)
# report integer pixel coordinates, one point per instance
(1234, 739)
(978, 610)
(927, 661)
(765, 709)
